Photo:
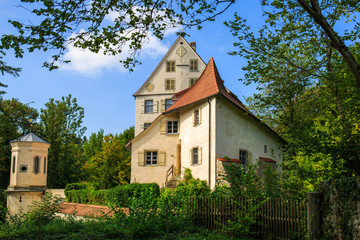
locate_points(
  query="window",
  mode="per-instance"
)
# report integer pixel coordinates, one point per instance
(168, 103)
(243, 157)
(151, 158)
(193, 65)
(170, 84)
(197, 117)
(44, 165)
(13, 169)
(170, 66)
(146, 125)
(172, 127)
(265, 149)
(192, 81)
(149, 106)
(36, 165)
(195, 155)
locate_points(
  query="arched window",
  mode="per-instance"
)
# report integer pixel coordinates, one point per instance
(36, 164)
(44, 165)
(13, 169)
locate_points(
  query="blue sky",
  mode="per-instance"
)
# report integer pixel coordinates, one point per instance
(102, 86)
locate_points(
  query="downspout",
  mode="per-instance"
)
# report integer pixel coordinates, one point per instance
(209, 142)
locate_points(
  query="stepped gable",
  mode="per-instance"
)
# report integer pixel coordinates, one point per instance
(208, 85)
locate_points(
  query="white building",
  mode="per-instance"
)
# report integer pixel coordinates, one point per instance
(205, 123)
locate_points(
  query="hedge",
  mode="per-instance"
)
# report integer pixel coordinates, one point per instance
(120, 195)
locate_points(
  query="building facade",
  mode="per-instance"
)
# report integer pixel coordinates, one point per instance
(205, 123)
(179, 69)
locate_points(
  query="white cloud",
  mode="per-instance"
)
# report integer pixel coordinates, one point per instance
(92, 64)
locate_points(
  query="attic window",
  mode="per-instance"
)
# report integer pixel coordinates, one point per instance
(193, 65)
(170, 66)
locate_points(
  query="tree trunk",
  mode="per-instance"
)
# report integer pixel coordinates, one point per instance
(336, 42)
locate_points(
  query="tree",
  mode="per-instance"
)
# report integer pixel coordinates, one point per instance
(307, 91)
(4, 68)
(61, 122)
(131, 24)
(110, 166)
(14, 122)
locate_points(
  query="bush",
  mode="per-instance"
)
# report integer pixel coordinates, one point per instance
(3, 209)
(81, 193)
(122, 193)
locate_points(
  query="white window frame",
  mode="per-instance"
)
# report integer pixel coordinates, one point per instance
(193, 156)
(153, 157)
(170, 127)
(147, 107)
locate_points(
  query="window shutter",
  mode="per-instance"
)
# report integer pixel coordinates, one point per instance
(190, 156)
(142, 127)
(162, 107)
(249, 158)
(162, 127)
(200, 115)
(200, 155)
(142, 109)
(155, 107)
(173, 84)
(161, 161)
(141, 158)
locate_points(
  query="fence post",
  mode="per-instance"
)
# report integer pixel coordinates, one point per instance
(314, 215)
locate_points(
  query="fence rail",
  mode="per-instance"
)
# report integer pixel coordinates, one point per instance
(276, 218)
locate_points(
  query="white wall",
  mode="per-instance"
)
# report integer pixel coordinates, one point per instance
(236, 130)
(181, 75)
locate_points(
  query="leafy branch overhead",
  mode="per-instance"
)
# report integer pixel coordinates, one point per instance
(105, 26)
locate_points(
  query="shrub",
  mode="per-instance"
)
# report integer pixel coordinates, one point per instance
(122, 193)
(3, 209)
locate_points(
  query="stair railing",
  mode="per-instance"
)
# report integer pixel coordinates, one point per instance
(170, 173)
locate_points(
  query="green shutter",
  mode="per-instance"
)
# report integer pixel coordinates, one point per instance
(161, 160)
(141, 158)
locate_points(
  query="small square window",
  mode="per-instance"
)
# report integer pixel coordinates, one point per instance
(168, 103)
(195, 155)
(172, 127)
(146, 125)
(149, 106)
(151, 158)
(170, 66)
(192, 81)
(193, 65)
(170, 84)
(196, 117)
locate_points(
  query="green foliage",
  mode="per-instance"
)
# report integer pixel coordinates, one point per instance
(130, 26)
(189, 186)
(3, 209)
(61, 121)
(123, 193)
(14, 122)
(107, 160)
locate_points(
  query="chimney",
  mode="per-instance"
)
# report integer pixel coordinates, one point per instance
(193, 45)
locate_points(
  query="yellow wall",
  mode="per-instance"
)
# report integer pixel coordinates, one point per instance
(154, 141)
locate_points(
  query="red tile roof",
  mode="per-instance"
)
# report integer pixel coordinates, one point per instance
(208, 85)
(229, 160)
(269, 160)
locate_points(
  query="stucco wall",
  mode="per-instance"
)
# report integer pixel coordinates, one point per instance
(24, 152)
(198, 136)
(181, 75)
(154, 141)
(236, 130)
(17, 201)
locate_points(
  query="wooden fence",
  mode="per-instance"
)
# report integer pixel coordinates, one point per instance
(276, 218)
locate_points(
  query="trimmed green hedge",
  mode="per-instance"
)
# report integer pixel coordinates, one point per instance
(120, 195)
